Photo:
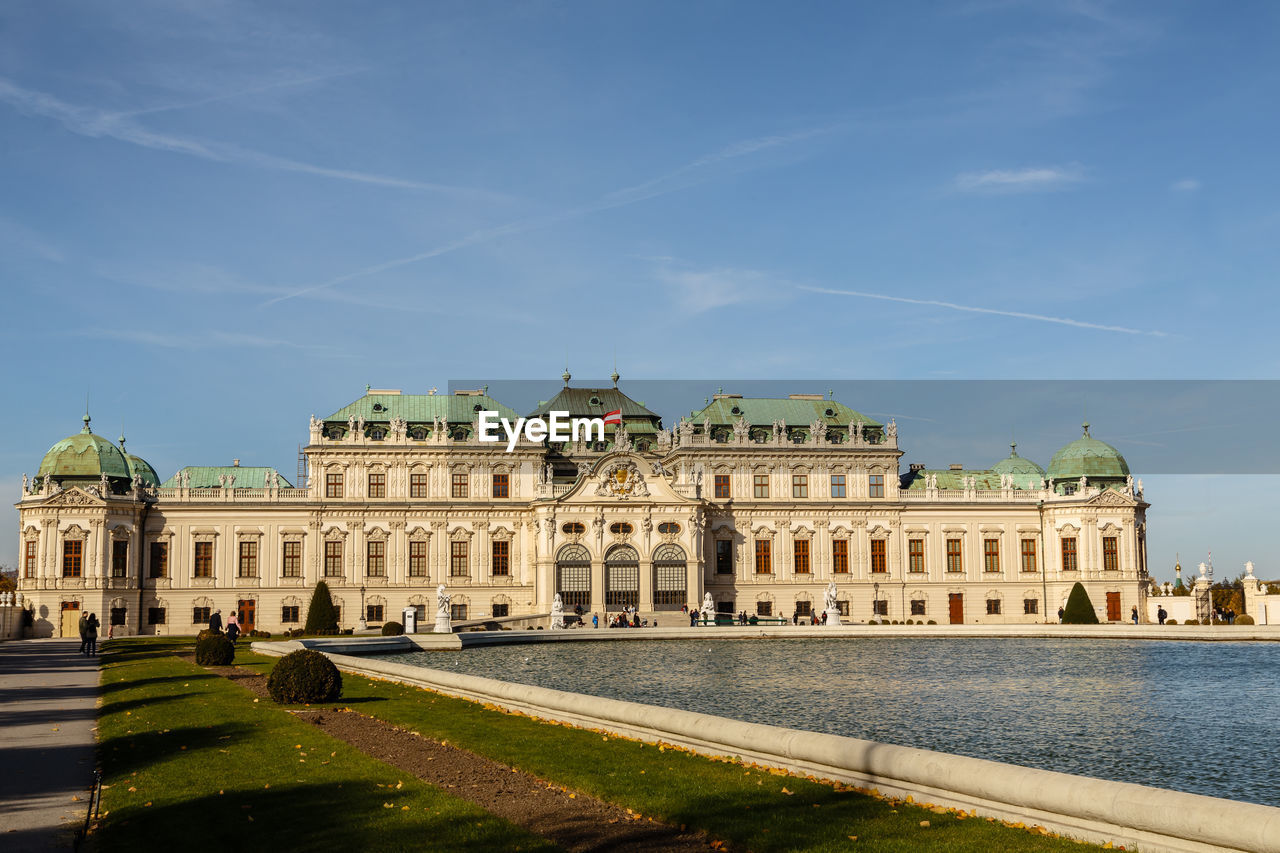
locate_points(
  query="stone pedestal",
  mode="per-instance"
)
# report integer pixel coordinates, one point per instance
(833, 619)
(557, 621)
(443, 624)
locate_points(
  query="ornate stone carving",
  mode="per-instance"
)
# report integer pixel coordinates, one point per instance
(622, 480)
(742, 429)
(74, 497)
(664, 440)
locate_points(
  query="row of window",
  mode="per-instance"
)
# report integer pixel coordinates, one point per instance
(800, 558)
(880, 607)
(799, 486)
(459, 487)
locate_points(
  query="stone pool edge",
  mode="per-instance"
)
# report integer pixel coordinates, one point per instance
(1095, 810)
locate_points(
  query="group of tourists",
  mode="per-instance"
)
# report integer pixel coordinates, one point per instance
(233, 625)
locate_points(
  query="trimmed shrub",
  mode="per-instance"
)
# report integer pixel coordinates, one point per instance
(1192, 622)
(392, 629)
(1244, 619)
(1079, 609)
(1171, 621)
(931, 622)
(205, 632)
(321, 615)
(304, 677)
(215, 650)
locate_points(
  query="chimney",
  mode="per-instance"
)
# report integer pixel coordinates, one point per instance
(235, 463)
(917, 466)
(956, 466)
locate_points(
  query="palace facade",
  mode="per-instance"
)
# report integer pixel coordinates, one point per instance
(760, 502)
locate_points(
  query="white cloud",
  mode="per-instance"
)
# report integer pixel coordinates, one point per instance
(1019, 180)
(1186, 185)
(703, 290)
(1021, 315)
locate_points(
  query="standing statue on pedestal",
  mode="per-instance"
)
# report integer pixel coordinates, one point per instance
(709, 608)
(832, 606)
(557, 613)
(444, 621)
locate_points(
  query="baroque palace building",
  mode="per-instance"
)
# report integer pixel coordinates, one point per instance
(760, 502)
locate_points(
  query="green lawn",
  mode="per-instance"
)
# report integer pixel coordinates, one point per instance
(193, 762)
(746, 807)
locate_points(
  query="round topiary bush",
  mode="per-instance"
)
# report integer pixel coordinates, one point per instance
(931, 622)
(392, 629)
(1192, 622)
(303, 677)
(1244, 619)
(215, 650)
(1171, 621)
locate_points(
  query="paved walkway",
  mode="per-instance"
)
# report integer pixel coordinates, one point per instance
(48, 693)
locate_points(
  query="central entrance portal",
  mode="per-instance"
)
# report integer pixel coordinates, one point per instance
(621, 578)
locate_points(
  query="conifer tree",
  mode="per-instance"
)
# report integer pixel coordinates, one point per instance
(1079, 609)
(321, 615)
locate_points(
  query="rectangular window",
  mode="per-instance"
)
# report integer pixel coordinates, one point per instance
(373, 612)
(502, 558)
(799, 485)
(458, 567)
(417, 485)
(764, 608)
(842, 607)
(760, 485)
(72, 558)
(248, 567)
(289, 613)
(155, 615)
(460, 489)
(117, 615)
(915, 555)
(801, 559)
(418, 559)
(955, 559)
(804, 609)
(159, 560)
(1028, 555)
(291, 560)
(500, 610)
(1069, 554)
(993, 607)
(1110, 555)
(337, 615)
(501, 485)
(120, 558)
(991, 555)
(880, 607)
(378, 485)
(722, 486)
(333, 558)
(837, 485)
(199, 616)
(375, 559)
(457, 611)
(875, 486)
(764, 556)
(30, 563)
(840, 556)
(878, 561)
(203, 566)
(724, 557)
(1030, 606)
(333, 485)
(917, 607)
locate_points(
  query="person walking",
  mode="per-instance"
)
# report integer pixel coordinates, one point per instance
(84, 631)
(215, 622)
(1134, 615)
(91, 635)
(233, 627)
(693, 618)
(1161, 614)
(595, 620)
(1061, 611)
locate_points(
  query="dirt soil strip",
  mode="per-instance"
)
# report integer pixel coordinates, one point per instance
(571, 819)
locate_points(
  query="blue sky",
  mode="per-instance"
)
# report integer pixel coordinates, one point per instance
(218, 218)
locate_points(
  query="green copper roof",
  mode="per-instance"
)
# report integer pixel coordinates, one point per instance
(763, 411)
(1026, 474)
(247, 476)
(916, 481)
(139, 467)
(594, 403)
(1087, 457)
(84, 455)
(421, 408)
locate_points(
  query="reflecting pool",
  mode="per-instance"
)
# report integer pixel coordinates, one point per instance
(1197, 717)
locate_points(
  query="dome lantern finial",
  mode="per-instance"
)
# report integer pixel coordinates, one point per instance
(1086, 428)
(85, 429)
(615, 377)
(566, 376)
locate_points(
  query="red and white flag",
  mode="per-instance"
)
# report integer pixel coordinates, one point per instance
(614, 417)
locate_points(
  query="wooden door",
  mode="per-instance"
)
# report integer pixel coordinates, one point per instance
(246, 615)
(1113, 606)
(71, 619)
(957, 608)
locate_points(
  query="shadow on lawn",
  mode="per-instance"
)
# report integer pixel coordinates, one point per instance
(110, 687)
(125, 753)
(302, 817)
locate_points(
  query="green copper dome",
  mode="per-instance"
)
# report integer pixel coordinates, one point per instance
(1088, 457)
(84, 456)
(139, 467)
(1026, 474)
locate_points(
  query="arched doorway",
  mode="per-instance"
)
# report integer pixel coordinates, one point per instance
(670, 578)
(573, 576)
(621, 578)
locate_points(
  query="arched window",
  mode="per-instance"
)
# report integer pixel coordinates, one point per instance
(669, 528)
(621, 577)
(574, 528)
(669, 577)
(621, 528)
(573, 576)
